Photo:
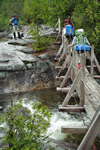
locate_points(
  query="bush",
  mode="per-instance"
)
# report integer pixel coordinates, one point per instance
(41, 42)
(25, 130)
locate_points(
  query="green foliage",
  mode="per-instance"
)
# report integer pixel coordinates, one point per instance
(36, 10)
(87, 16)
(25, 130)
(41, 42)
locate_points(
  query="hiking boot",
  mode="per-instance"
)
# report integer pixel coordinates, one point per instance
(14, 36)
(19, 36)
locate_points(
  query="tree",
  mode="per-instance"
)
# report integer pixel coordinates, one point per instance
(26, 130)
(87, 15)
(36, 10)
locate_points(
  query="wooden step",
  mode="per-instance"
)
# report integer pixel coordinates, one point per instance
(71, 108)
(90, 66)
(58, 89)
(61, 77)
(56, 59)
(73, 129)
(59, 67)
(96, 76)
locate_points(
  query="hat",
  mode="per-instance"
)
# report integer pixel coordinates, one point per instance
(16, 15)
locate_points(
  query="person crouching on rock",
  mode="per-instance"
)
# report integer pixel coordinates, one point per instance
(14, 21)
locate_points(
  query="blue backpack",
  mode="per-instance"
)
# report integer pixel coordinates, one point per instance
(69, 31)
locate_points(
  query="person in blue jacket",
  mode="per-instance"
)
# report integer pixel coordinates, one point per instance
(14, 21)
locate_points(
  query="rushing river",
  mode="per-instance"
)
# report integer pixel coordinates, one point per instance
(52, 99)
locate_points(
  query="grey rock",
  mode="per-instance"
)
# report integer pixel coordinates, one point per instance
(43, 56)
(43, 66)
(33, 76)
(26, 57)
(24, 49)
(18, 42)
(29, 66)
(21, 41)
(9, 36)
(29, 41)
(52, 66)
(3, 34)
(28, 36)
(12, 65)
(1, 108)
(2, 75)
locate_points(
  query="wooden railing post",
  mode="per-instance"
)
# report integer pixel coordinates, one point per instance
(92, 58)
(82, 87)
(59, 25)
(93, 131)
(74, 64)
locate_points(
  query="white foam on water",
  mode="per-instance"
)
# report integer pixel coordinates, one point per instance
(59, 119)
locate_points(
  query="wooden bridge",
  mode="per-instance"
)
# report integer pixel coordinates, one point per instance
(83, 81)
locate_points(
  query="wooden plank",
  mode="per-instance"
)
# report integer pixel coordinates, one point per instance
(60, 49)
(59, 25)
(62, 89)
(66, 100)
(74, 130)
(91, 86)
(64, 53)
(92, 59)
(97, 77)
(61, 77)
(56, 25)
(57, 38)
(90, 66)
(88, 55)
(56, 59)
(67, 75)
(71, 108)
(65, 64)
(97, 64)
(59, 67)
(82, 87)
(93, 131)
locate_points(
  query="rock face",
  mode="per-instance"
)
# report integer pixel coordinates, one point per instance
(21, 71)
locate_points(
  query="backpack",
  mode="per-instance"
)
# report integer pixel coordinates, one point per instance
(80, 36)
(13, 20)
(69, 31)
(81, 40)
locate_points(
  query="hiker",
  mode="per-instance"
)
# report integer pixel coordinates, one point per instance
(80, 38)
(68, 29)
(81, 42)
(14, 22)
